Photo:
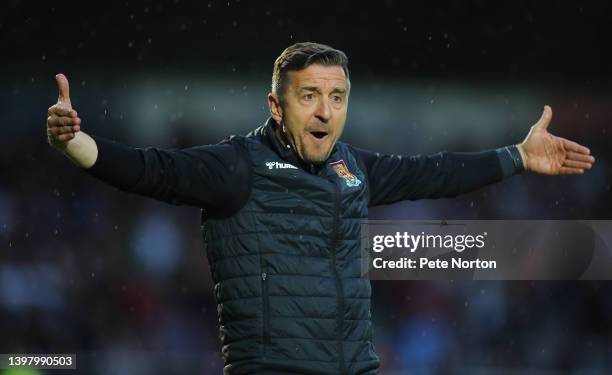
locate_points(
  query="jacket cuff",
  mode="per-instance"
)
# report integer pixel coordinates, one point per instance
(510, 160)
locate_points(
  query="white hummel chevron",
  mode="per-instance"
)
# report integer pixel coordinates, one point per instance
(277, 165)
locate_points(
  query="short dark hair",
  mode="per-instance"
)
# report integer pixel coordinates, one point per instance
(301, 55)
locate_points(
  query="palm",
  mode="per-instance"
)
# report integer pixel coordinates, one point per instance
(548, 154)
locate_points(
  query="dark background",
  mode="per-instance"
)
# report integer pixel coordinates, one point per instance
(123, 281)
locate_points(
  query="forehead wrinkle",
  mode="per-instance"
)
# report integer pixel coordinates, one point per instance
(319, 85)
(318, 76)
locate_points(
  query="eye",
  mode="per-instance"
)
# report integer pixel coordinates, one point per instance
(307, 97)
(337, 98)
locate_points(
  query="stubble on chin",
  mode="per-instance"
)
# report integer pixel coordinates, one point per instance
(318, 158)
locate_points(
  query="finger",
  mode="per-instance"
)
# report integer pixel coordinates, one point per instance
(545, 118)
(571, 155)
(64, 90)
(577, 164)
(570, 170)
(56, 132)
(65, 137)
(64, 129)
(573, 146)
(69, 121)
(61, 111)
(63, 121)
(52, 121)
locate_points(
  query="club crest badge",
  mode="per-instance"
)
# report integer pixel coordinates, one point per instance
(342, 171)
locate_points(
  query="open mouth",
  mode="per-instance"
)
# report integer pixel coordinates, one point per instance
(319, 134)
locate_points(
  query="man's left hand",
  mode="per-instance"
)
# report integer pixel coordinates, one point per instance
(545, 153)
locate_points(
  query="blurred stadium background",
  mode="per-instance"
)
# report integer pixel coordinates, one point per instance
(123, 281)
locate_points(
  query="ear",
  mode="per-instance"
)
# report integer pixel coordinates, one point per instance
(276, 111)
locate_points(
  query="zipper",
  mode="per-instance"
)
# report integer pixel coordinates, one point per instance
(339, 288)
(266, 308)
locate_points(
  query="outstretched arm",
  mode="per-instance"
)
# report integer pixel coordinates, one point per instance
(446, 174)
(393, 178)
(211, 176)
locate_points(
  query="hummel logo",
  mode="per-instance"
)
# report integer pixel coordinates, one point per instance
(277, 165)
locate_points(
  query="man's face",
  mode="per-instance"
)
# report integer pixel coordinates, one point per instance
(314, 110)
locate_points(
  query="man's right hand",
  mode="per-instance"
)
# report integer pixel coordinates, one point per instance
(62, 121)
(63, 129)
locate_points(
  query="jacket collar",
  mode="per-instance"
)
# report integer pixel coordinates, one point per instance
(286, 151)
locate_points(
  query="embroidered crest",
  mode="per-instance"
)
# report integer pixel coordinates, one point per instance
(343, 172)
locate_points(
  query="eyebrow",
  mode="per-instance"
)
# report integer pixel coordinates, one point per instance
(316, 89)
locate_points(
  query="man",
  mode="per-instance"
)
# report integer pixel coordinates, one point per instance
(282, 206)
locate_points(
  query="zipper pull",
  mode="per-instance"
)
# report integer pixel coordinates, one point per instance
(263, 276)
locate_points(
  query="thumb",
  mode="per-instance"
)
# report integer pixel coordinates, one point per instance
(545, 118)
(64, 90)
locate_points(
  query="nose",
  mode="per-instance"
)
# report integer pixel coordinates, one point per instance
(323, 112)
